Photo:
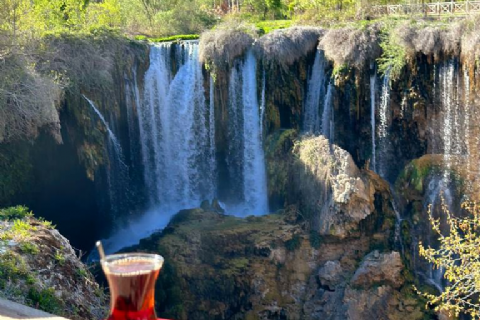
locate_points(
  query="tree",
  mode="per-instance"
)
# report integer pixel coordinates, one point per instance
(459, 256)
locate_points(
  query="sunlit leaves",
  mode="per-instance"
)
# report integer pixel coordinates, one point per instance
(459, 256)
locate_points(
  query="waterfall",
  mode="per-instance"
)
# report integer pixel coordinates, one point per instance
(246, 158)
(373, 90)
(211, 129)
(116, 145)
(383, 133)
(328, 124)
(466, 89)
(176, 131)
(262, 103)
(177, 139)
(117, 170)
(315, 91)
(176, 125)
(455, 117)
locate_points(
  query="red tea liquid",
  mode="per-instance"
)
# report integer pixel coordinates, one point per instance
(132, 288)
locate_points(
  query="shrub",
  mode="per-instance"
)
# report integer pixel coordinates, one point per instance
(22, 229)
(18, 212)
(45, 300)
(59, 257)
(29, 248)
(12, 267)
(394, 56)
(286, 46)
(458, 256)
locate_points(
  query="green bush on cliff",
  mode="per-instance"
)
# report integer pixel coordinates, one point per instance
(13, 213)
(45, 300)
(394, 55)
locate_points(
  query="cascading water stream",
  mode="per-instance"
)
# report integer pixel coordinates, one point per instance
(373, 91)
(177, 137)
(116, 145)
(383, 133)
(262, 103)
(246, 156)
(328, 125)
(315, 92)
(117, 171)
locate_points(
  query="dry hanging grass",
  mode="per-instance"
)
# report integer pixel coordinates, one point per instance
(221, 46)
(27, 101)
(353, 47)
(286, 46)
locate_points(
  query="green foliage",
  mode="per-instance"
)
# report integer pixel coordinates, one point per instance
(268, 26)
(22, 229)
(169, 39)
(294, 243)
(47, 224)
(59, 257)
(29, 248)
(12, 267)
(45, 300)
(81, 273)
(18, 212)
(394, 56)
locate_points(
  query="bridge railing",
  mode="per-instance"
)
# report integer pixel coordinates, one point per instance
(436, 8)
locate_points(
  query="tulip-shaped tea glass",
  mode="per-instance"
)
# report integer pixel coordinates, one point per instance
(132, 278)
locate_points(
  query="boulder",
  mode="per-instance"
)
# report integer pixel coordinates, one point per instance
(330, 187)
(331, 274)
(379, 268)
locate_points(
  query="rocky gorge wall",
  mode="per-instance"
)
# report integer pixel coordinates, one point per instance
(357, 143)
(68, 182)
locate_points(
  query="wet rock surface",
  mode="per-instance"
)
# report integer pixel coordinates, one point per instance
(282, 266)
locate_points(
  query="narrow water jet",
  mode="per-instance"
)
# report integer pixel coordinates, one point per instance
(117, 172)
(315, 93)
(383, 132)
(373, 107)
(328, 124)
(255, 182)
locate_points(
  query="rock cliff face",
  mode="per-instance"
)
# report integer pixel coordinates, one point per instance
(78, 171)
(39, 268)
(338, 263)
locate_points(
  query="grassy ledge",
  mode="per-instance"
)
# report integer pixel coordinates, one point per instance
(169, 39)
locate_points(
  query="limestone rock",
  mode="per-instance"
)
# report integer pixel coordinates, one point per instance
(331, 274)
(44, 272)
(331, 187)
(379, 268)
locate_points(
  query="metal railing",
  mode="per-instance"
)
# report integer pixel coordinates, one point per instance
(429, 9)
